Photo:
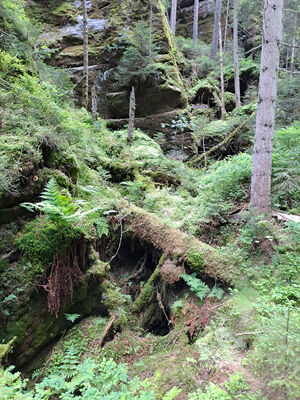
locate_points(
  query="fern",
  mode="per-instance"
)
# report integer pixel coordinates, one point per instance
(72, 317)
(57, 206)
(172, 394)
(196, 285)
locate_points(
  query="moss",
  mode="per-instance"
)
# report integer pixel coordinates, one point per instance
(6, 348)
(64, 160)
(172, 51)
(66, 9)
(148, 291)
(195, 259)
(61, 179)
(38, 242)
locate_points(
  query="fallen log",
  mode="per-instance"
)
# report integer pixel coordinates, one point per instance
(180, 247)
(285, 217)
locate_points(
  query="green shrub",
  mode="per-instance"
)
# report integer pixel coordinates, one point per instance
(235, 388)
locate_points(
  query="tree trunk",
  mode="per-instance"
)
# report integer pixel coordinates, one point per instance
(195, 24)
(223, 110)
(131, 116)
(226, 24)
(173, 16)
(167, 13)
(236, 55)
(214, 42)
(292, 66)
(265, 117)
(151, 28)
(85, 56)
(94, 103)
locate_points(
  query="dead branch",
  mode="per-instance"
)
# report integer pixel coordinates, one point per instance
(221, 144)
(107, 329)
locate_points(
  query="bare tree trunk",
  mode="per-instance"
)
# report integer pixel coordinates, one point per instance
(236, 55)
(151, 27)
(85, 56)
(223, 110)
(292, 66)
(265, 117)
(195, 24)
(173, 16)
(131, 116)
(226, 24)
(167, 13)
(94, 102)
(214, 42)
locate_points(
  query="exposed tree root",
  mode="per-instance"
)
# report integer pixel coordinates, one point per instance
(66, 269)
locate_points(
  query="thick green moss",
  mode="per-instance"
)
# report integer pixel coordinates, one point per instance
(6, 348)
(195, 259)
(148, 291)
(38, 242)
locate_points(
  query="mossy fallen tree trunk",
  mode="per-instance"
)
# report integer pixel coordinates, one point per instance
(182, 248)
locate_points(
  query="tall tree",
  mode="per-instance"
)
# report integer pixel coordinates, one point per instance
(195, 23)
(214, 42)
(85, 55)
(173, 16)
(265, 116)
(223, 110)
(236, 55)
(226, 24)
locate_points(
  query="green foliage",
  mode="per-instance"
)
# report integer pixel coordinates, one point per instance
(39, 241)
(196, 285)
(137, 63)
(86, 380)
(285, 168)
(12, 387)
(235, 388)
(55, 205)
(72, 317)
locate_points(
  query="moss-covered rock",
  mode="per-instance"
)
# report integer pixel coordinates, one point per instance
(34, 327)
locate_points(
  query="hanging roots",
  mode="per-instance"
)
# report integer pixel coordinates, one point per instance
(66, 269)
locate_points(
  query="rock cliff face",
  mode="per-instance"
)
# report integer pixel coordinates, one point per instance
(107, 21)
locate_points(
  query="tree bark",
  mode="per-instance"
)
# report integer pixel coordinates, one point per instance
(223, 110)
(236, 55)
(214, 42)
(85, 56)
(226, 24)
(94, 103)
(131, 116)
(173, 16)
(292, 66)
(195, 23)
(265, 117)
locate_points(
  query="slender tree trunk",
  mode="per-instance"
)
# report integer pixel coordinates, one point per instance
(132, 106)
(173, 16)
(167, 13)
(236, 55)
(292, 66)
(226, 24)
(223, 110)
(195, 24)
(265, 117)
(151, 22)
(94, 103)
(85, 56)
(214, 42)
